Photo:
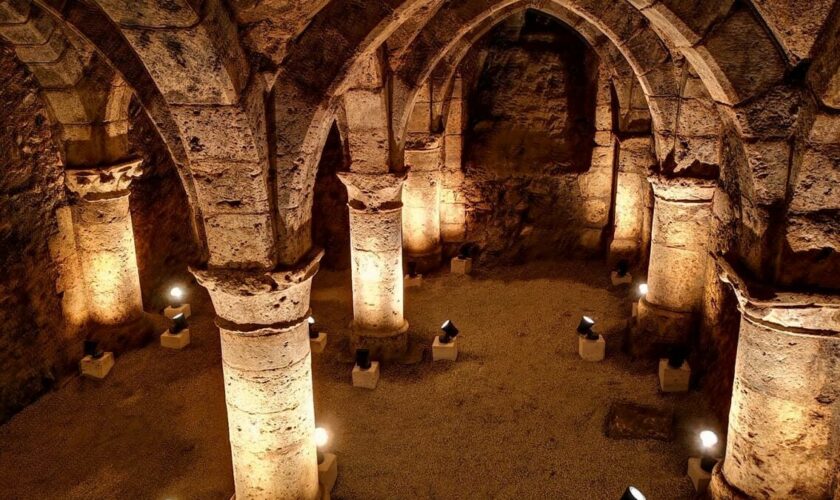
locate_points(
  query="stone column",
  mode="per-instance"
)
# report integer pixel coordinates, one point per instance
(784, 422)
(421, 213)
(681, 219)
(262, 316)
(104, 239)
(631, 192)
(376, 254)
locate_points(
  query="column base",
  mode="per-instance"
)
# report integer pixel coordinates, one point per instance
(427, 261)
(383, 345)
(720, 489)
(622, 250)
(657, 330)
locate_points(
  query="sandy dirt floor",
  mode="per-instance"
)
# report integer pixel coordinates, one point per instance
(519, 415)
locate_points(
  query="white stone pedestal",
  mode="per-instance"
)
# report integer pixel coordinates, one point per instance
(178, 340)
(699, 478)
(461, 266)
(170, 312)
(97, 368)
(616, 280)
(328, 472)
(674, 379)
(413, 282)
(444, 352)
(318, 345)
(366, 379)
(592, 350)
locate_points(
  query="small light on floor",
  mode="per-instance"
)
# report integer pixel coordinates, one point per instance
(708, 440)
(313, 330)
(643, 289)
(412, 269)
(622, 268)
(179, 323)
(449, 332)
(322, 437)
(585, 325)
(677, 356)
(176, 296)
(91, 348)
(363, 359)
(632, 493)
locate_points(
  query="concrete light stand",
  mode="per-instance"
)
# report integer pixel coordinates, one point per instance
(327, 472)
(97, 367)
(319, 343)
(617, 279)
(177, 341)
(461, 265)
(444, 351)
(590, 349)
(674, 379)
(699, 477)
(172, 311)
(366, 378)
(415, 281)
(377, 267)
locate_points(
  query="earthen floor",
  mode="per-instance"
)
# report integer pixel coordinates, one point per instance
(519, 415)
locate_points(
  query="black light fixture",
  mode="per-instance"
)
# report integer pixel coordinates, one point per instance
(91, 348)
(179, 324)
(623, 267)
(465, 251)
(449, 332)
(363, 359)
(677, 356)
(585, 325)
(412, 269)
(632, 493)
(313, 330)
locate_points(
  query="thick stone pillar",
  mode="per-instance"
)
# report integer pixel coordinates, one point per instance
(784, 422)
(104, 238)
(681, 219)
(268, 377)
(631, 191)
(376, 254)
(421, 211)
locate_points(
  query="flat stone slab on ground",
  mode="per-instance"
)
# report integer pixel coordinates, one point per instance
(634, 421)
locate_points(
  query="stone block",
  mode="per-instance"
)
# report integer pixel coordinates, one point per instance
(592, 350)
(318, 344)
(674, 379)
(444, 352)
(328, 472)
(617, 280)
(413, 282)
(461, 266)
(366, 379)
(634, 421)
(699, 478)
(178, 340)
(97, 368)
(170, 311)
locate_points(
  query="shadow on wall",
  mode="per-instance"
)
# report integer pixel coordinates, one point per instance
(530, 135)
(330, 216)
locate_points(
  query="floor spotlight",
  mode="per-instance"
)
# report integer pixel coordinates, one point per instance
(708, 440)
(585, 325)
(91, 348)
(632, 493)
(176, 296)
(322, 437)
(313, 330)
(363, 359)
(449, 332)
(179, 324)
(643, 289)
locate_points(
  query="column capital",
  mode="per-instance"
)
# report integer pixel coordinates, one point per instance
(103, 182)
(814, 314)
(683, 189)
(373, 191)
(252, 299)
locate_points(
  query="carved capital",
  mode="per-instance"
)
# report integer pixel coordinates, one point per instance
(103, 182)
(683, 189)
(373, 191)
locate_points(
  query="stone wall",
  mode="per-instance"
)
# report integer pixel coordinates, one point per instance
(33, 338)
(330, 217)
(533, 184)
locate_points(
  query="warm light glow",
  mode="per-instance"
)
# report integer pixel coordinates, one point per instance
(176, 293)
(311, 320)
(636, 493)
(321, 437)
(643, 289)
(589, 320)
(708, 439)
(444, 324)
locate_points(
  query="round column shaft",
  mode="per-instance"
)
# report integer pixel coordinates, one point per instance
(105, 243)
(682, 211)
(421, 211)
(784, 422)
(377, 268)
(268, 378)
